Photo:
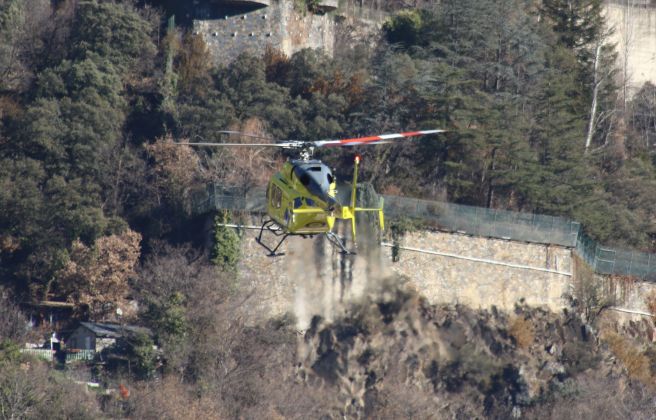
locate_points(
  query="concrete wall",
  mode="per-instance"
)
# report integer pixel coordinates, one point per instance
(634, 24)
(630, 295)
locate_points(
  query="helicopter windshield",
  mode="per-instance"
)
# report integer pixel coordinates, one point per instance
(316, 177)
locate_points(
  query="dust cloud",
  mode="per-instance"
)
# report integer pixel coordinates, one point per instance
(328, 282)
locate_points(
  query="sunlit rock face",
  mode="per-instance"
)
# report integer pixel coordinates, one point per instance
(634, 34)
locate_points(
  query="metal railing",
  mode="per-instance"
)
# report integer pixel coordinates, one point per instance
(476, 221)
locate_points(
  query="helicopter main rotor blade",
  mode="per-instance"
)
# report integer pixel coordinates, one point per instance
(239, 133)
(380, 139)
(285, 145)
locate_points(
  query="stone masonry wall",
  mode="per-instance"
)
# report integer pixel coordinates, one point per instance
(445, 279)
(314, 279)
(279, 26)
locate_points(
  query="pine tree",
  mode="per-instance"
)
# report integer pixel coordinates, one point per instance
(559, 180)
(580, 26)
(226, 249)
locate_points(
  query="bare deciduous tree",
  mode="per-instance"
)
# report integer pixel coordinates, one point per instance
(98, 276)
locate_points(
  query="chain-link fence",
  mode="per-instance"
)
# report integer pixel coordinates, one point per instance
(480, 221)
(477, 221)
(607, 260)
(215, 197)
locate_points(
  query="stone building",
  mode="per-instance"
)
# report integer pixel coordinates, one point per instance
(230, 27)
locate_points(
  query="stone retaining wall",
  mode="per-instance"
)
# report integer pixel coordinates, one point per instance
(314, 279)
(485, 280)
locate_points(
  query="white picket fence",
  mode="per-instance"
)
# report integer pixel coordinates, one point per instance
(45, 354)
(79, 355)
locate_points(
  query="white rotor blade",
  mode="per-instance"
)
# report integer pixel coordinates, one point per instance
(380, 139)
(239, 133)
(284, 145)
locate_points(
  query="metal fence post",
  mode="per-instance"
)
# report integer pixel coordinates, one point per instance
(648, 265)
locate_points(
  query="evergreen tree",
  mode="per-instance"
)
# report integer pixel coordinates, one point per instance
(559, 180)
(580, 27)
(226, 249)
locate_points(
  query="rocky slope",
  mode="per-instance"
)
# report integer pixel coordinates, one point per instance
(395, 356)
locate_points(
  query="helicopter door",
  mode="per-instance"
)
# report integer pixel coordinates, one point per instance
(276, 196)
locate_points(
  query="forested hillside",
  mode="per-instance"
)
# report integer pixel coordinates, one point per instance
(93, 91)
(94, 195)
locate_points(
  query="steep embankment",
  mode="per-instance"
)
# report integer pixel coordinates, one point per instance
(395, 356)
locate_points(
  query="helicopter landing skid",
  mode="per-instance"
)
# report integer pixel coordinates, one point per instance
(335, 240)
(274, 228)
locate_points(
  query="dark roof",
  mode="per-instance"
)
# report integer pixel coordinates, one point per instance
(114, 330)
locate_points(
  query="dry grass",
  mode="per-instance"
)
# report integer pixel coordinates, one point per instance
(522, 331)
(635, 361)
(650, 302)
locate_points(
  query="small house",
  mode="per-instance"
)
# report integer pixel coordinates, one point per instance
(97, 336)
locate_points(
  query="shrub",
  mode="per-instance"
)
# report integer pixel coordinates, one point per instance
(636, 362)
(522, 331)
(226, 249)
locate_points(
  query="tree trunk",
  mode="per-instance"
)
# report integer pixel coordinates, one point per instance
(595, 93)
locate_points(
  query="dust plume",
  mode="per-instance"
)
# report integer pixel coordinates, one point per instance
(328, 281)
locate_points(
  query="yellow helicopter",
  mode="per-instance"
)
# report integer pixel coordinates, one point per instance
(302, 197)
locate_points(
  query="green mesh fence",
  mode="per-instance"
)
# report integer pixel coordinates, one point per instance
(215, 197)
(480, 221)
(607, 260)
(477, 221)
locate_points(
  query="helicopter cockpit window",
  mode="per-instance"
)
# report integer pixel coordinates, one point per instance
(276, 197)
(298, 202)
(315, 168)
(310, 202)
(330, 178)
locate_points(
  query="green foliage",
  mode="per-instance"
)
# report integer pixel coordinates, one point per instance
(244, 84)
(140, 349)
(168, 319)
(578, 23)
(9, 351)
(226, 249)
(405, 27)
(398, 228)
(115, 32)
(66, 138)
(137, 355)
